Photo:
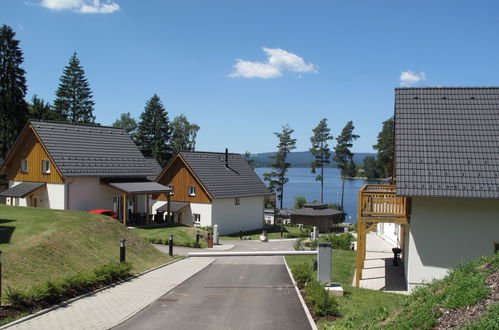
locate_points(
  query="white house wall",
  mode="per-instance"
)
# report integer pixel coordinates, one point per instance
(389, 232)
(248, 215)
(89, 194)
(205, 210)
(444, 233)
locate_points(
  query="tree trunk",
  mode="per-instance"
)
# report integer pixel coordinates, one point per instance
(342, 192)
(282, 196)
(322, 184)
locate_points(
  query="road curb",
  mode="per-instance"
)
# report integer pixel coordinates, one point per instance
(69, 301)
(302, 301)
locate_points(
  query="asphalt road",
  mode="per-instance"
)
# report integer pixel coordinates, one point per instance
(231, 293)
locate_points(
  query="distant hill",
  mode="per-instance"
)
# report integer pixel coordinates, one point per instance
(302, 159)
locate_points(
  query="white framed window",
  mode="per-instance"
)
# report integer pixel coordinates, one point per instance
(45, 166)
(196, 218)
(236, 201)
(192, 191)
(24, 165)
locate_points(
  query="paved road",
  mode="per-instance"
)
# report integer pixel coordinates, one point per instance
(231, 293)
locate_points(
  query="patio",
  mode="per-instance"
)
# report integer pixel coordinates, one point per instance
(378, 272)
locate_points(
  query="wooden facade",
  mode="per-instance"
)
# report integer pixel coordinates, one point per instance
(378, 203)
(178, 175)
(29, 147)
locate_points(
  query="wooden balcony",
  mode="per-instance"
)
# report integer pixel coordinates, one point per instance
(378, 203)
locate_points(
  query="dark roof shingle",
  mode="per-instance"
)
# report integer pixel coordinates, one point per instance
(91, 150)
(236, 180)
(447, 142)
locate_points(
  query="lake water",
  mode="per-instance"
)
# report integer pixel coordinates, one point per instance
(302, 183)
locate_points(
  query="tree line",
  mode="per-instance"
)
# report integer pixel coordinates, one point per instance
(154, 133)
(322, 156)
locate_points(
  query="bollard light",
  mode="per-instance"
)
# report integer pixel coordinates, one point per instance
(324, 261)
(170, 245)
(122, 250)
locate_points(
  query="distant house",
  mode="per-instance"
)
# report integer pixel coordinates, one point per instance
(444, 207)
(211, 188)
(78, 167)
(316, 214)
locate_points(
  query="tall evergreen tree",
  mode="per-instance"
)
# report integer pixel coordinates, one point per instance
(74, 96)
(39, 109)
(277, 178)
(343, 155)
(371, 168)
(385, 148)
(13, 108)
(184, 134)
(320, 151)
(154, 132)
(128, 123)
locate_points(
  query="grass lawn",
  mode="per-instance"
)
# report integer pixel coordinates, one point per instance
(42, 244)
(182, 235)
(358, 307)
(273, 232)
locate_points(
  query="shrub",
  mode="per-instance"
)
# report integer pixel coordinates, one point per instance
(16, 298)
(339, 242)
(297, 244)
(302, 273)
(319, 300)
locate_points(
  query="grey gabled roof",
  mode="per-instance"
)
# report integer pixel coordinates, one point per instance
(155, 167)
(91, 150)
(447, 142)
(236, 180)
(22, 189)
(315, 212)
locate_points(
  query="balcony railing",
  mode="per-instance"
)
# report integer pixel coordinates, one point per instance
(381, 201)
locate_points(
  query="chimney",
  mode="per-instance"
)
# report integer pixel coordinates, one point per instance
(226, 157)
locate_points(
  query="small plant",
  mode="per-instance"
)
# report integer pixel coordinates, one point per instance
(16, 298)
(302, 273)
(339, 242)
(319, 300)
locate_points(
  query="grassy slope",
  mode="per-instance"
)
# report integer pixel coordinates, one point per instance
(42, 244)
(358, 307)
(182, 235)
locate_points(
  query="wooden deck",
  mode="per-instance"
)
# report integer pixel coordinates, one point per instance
(377, 203)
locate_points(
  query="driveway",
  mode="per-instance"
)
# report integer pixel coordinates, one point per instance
(231, 293)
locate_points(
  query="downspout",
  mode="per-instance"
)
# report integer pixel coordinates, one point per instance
(66, 193)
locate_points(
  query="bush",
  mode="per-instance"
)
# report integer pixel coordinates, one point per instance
(319, 300)
(16, 298)
(339, 242)
(302, 273)
(302, 232)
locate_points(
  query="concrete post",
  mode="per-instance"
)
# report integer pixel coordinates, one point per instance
(324, 260)
(215, 234)
(314, 233)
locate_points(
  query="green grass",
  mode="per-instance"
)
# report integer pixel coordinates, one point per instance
(358, 307)
(41, 244)
(273, 232)
(182, 235)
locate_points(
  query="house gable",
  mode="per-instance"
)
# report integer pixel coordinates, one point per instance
(28, 146)
(178, 174)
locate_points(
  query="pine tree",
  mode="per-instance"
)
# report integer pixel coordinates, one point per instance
(183, 134)
(351, 169)
(385, 148)
(154, 132)
(343, 155)
(39, 109)
(320, 151)
(74, 96)
(277, 178)
(13, 108)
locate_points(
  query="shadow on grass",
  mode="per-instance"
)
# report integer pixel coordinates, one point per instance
(6, 231)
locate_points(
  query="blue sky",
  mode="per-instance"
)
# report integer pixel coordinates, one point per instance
(242, 69)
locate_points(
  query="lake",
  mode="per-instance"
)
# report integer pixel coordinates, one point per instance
(302, 183)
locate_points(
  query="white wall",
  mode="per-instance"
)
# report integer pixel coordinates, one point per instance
(390, 232)
(89, 194)
(444, 233)
(205, 210)
(230, 218)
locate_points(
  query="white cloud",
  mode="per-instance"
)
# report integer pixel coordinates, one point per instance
(278, 61)
(409, 78)
(82, 6)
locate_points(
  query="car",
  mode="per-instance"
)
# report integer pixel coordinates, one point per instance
(110, 213)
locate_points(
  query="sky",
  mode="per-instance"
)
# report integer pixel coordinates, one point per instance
(243, 69)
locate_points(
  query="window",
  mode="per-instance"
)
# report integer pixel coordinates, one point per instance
(45, 166)
(236, 201)
(24, 165)
(196, 218)
(192, 191)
